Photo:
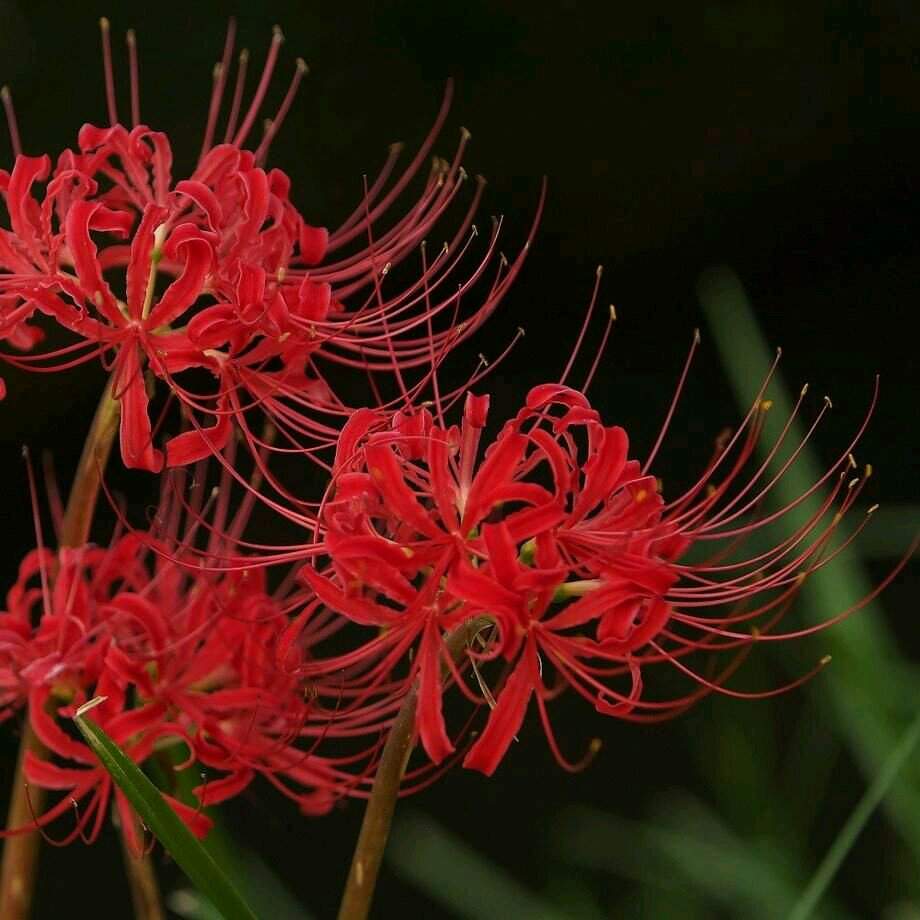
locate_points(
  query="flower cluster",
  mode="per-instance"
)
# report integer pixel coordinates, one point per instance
(253, 296)
(185, 660)
(434, 570)
(559, 551)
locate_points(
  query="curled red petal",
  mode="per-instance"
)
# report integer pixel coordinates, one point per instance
(355, 609)
(619, 634)
(220, 790)
(313, 243)
(481, 591)
(500, 462)
(137, 450)
(84, 254)
(431, 727)
(189, 242)
(194, 445)
(388, 477)
(506, 718)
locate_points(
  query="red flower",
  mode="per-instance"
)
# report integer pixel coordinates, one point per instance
(567, 546)
(184, 656)
(252, 299)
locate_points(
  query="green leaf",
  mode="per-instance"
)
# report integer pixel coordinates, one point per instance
(159, 817)
(854, 825)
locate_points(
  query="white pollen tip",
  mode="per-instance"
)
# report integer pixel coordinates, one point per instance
(599, 271)
(696, 337)
(804, 390)
(244, 55)
(302, 66)
(465, 134)
(827, 659)
(104, 23)
(131, 37)
(5, 93)
(613, 312)
(277, 34)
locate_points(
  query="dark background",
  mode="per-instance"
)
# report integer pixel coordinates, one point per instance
(780, 139)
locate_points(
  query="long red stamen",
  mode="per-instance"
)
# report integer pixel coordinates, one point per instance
(11, 122)
(104, 29)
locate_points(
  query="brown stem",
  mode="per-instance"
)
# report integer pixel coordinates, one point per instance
(81, 506)
(378, 816)
(145, 892)
(20, 853)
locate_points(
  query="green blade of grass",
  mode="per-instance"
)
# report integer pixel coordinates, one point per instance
(868, 692)
(854, 825)
(165, 824)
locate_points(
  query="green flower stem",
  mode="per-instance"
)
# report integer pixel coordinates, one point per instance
(375, 828)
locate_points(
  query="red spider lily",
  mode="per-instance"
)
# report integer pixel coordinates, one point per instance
(566, 545)
(182, 655)
(253, 297)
